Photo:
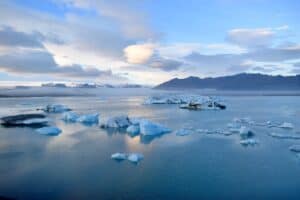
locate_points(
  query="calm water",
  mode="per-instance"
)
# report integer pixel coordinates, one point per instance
(77, 165)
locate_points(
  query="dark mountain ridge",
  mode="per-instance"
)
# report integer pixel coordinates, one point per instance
(242, 81)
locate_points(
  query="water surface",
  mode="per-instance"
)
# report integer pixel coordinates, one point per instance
(77, 165)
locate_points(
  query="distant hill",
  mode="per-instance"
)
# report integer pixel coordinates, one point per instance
(242, 81)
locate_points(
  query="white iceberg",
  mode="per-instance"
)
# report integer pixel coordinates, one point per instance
(285, 136)
(117, 122)
(295, 148)
(89, 119)
(183, 132)
(133, 129)
(70, 117)
(247, 142)
(286, 125)
(49, 130)
(56, 108)
(119, 156)
(150, 128)
(135, 157)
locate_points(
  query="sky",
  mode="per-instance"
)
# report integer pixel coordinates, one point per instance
(145, 41)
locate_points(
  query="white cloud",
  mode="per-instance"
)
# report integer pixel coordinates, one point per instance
(251, 37)
(139, 53)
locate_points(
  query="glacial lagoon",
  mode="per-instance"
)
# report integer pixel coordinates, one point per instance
(77, 164)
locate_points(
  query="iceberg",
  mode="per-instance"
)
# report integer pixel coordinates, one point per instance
(295, 148)
(285, 136)
(117, 122)
(135, 157)
(183, 132)
(89, 119)
(150, 128)
(119, 156)
(247, 142)
(286, 125)
(133, 129)
(30, 120)
(70, 117)
(49, 130)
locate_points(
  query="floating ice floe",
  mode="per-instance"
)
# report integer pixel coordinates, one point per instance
(89, 119)
(172, 99)
(56, 108)
(135, 157)
(30, 120)
(183, 132)
(295, 148)
(133, 129)
(49, 130)
(247, 142)
(217, 131)
(285, 136)
(119, 156)
(122, 121)
(151, 128)
(244, 120)
(70, 117)
(233, 125)
(286, 125)
(192, 102)
(202, 130)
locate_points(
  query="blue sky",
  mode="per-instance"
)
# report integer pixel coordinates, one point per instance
(146, 41)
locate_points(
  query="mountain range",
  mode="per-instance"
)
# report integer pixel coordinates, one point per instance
(243, 81)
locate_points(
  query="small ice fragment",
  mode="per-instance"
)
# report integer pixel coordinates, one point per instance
(245, 120)
(233, 125)
(133, 129)
(202, 130)
(183, 132)
(286, 125)
(234, 130)
(56, 108)
(89, 119)
(295, 148)
(70, 117)
(285, 136)
(227, 133)
(118, 156)
(135, 157)
(247, 142)
(49, 130)
(245, 132)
